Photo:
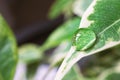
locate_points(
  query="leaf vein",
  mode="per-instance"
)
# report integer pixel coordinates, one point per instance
(109, 27)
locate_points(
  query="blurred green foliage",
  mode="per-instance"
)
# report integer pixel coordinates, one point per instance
(8, 51)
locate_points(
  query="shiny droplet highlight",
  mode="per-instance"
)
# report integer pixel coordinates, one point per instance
(84, 39)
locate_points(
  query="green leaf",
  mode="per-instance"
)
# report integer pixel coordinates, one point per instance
(29, 53)
(110, 74)
(102, 61)
(62, 33)
(102, 17)
(59, 54)
(80, 6)
(8, 52)
(113, 76)
(73, 74)
(58, 7)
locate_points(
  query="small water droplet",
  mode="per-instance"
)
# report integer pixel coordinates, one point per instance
(84, 39)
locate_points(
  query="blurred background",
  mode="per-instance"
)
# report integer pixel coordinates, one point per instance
(28, 19)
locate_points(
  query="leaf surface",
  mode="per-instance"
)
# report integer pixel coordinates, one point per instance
(102, 17)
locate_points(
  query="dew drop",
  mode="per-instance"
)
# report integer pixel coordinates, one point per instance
(84, 39)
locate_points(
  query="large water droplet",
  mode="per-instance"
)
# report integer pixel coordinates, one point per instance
(84, 39)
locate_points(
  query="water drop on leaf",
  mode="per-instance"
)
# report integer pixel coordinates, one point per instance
(84, 39)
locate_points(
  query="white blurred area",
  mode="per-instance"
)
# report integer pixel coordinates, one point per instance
(20, 71)
(40, 73)
(42, 70)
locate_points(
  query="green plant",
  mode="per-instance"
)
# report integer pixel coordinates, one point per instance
(98, 32)
(8, 52)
